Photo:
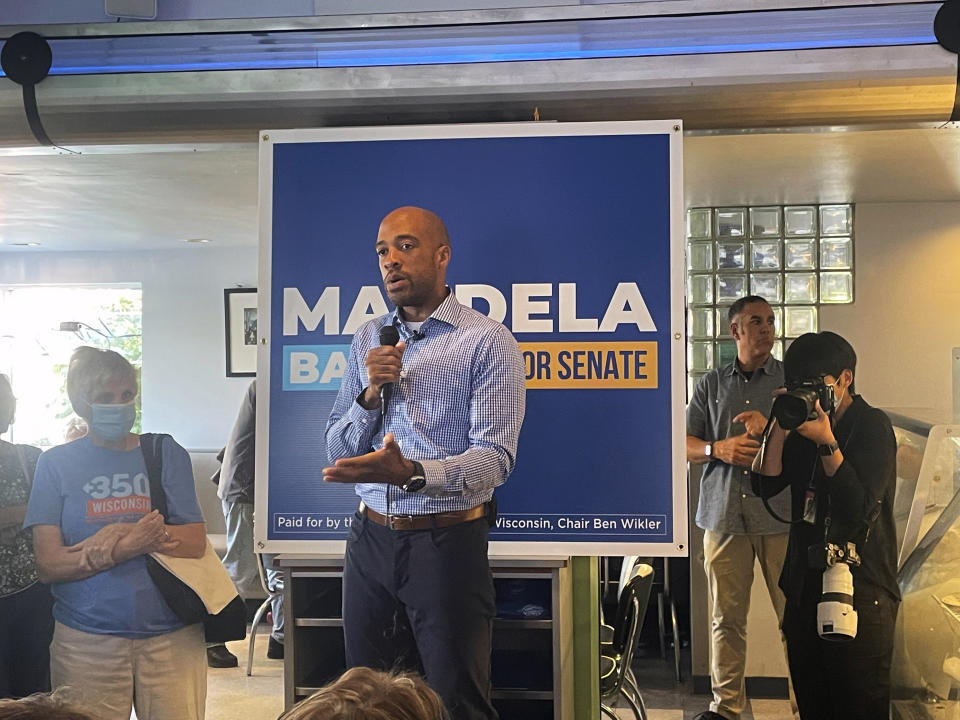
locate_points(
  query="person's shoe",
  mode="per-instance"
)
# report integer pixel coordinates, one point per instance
(709, 715)
(219, 657)
(275, 649)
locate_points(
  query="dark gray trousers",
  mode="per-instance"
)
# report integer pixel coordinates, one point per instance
(842, 680)
(423, 600)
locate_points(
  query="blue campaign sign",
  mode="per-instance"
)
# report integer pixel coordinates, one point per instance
(569, 234)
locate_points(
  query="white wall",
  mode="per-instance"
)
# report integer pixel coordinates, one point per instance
(185, 390)
(906, 316)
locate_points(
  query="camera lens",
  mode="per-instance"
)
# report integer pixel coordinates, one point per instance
(793, 408)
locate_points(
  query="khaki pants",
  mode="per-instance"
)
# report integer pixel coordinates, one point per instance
(728, 561)
(162, 677)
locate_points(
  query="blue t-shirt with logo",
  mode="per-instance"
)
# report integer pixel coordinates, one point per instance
(81, 487)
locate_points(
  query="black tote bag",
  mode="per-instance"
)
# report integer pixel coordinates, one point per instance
(231, 622)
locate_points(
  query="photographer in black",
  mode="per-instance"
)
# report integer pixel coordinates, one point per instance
(839, 459)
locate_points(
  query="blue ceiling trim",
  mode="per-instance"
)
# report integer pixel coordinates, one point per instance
(783, 30)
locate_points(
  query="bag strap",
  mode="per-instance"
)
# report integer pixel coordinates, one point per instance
(151, 446)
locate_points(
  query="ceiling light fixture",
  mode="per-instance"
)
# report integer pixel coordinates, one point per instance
(198, 240)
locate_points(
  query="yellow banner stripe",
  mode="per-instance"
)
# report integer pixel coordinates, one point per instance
(595, 365)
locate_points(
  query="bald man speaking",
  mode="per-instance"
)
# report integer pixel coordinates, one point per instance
(425, 425)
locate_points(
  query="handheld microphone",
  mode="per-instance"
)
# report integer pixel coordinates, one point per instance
(389, 335)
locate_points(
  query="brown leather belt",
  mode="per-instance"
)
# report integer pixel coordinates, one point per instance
(425, 522)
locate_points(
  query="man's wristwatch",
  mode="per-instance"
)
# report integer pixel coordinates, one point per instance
(829, 449)
(708, 450)
(416, 481)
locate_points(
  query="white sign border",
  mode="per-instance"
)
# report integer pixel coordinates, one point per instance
(679, 544)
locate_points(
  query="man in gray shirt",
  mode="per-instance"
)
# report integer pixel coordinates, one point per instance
(236, 491)
(725, 418)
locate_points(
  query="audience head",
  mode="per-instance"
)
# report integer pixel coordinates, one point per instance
(735, 310)
(8, 404)
(91, 371)
(41, 707)
(753, 328)
(365, 694)
(816, 354)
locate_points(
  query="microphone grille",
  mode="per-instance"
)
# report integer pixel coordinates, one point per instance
(389, 335)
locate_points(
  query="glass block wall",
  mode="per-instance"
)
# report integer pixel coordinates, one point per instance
(799, 257)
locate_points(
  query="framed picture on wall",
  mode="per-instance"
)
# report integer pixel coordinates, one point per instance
(240, 310)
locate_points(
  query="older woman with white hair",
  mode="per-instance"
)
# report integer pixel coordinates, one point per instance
(26, 622)
(115, 639)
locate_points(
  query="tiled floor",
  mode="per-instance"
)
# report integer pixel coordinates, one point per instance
(759, 710)
(231, 694)
(665, 699)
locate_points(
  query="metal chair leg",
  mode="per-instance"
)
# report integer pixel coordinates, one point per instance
(253, 632)
(631, 682)
(676, 641)
(608, 712)
(637, 712)
(661, 626)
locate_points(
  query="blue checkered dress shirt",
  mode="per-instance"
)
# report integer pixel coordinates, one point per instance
(457, 408)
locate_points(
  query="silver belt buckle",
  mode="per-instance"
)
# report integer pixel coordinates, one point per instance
(393, 518)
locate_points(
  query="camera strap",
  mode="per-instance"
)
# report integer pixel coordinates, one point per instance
(775, 515)
(755, 478)
(762, 452)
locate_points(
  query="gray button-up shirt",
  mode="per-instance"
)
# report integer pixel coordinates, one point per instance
(726, 502)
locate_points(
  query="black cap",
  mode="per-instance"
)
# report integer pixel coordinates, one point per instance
(816, 354)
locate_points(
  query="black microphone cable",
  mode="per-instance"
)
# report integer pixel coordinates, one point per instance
(389, 335)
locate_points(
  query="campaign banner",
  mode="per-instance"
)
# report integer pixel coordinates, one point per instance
(570, 234)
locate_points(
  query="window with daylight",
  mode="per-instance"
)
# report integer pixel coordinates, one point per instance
(799, 257)
(40, 327)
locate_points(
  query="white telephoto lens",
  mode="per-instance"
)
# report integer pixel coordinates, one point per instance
(838, 579)
(836, 618)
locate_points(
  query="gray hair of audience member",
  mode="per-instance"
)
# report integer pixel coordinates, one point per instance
(42, 707)
(365, 694)
(8, 403)
(90, 369)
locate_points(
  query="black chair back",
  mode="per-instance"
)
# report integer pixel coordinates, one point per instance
(630, 611)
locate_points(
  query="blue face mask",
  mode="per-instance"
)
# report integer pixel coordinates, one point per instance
(113, 422)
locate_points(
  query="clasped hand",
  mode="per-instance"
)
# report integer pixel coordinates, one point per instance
(742, 449)
(148, 534)
(387, 465)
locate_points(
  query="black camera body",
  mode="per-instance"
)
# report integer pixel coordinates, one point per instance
(799, 403)
(828, 554)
